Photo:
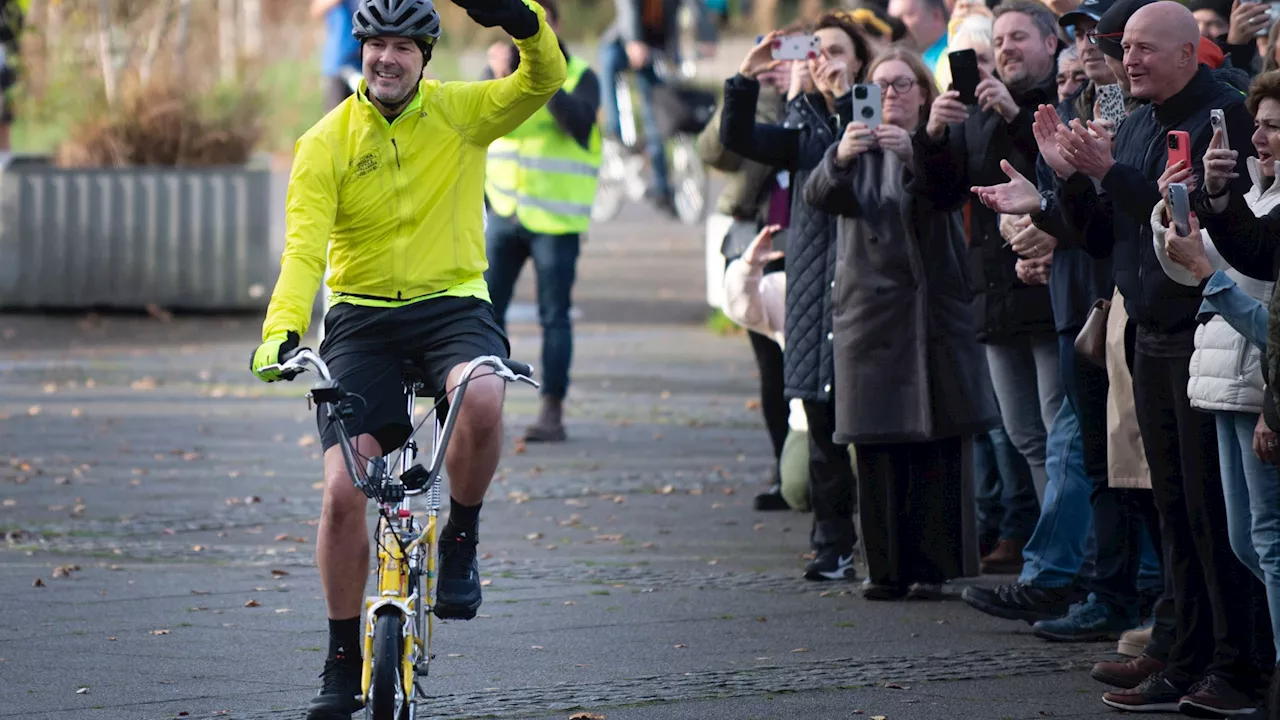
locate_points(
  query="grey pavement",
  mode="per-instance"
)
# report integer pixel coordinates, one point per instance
(166, 501)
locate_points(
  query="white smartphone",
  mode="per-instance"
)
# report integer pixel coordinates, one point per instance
(797, 47)
(1180, 208)
(867, 105)
(1218, 121)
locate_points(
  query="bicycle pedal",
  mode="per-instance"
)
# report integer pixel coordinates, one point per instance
(415, 478)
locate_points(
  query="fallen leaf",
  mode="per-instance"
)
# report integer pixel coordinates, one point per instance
(306, 441)
(61, 481)
(533, 536)
(82, 690)
(38, 583)
(896, 686)
(667, 489)
(159, 313)
(570, 602)
(521, 447)
(282, 610)
(753, 404)
(537, 647)
(680, 646)
(279, 573)
(758, 526)
(112, 638)
(619, 499)
(800, 650)
(9, 502)
(65, 570)
(33, 410)
(646, 545)
(586, 715)
(253, 603)
(198, 548)
(76, 412)
(486, 583)
(609, 538)
(191, 456)
(144, 383)
(159, 632)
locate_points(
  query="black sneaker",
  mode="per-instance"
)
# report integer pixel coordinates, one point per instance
(339, 690)
(458, 593)
(771, 499)
(1023, 602)
(831, 563)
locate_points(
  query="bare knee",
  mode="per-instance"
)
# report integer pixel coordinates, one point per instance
(481, 410)
(343, 502)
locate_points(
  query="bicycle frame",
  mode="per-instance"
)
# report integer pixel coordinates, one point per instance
(406, 552)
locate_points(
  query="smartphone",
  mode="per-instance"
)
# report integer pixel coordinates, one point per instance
(1218, 121)
(1179, 147)
(1180, 208)
(964, 75)
(780, 240)
(796, 47)
(867, 105)
(1111, 104)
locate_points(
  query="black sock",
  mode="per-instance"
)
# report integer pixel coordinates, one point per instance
(344, 638)
(463, 518)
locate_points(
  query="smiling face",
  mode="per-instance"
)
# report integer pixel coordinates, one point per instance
(392, 68)
(1266, 138)
(1160, 45)
(1024, 56)
(1092, 59)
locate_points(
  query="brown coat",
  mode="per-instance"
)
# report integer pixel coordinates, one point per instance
(1126, 458)
(908, 367)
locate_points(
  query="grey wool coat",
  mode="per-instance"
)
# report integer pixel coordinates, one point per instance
(908, 365)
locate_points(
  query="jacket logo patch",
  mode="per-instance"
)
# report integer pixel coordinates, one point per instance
(367, 164)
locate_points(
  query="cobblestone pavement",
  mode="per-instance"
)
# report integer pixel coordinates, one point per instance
(164, 503)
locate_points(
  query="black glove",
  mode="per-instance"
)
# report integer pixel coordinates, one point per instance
(516, 18)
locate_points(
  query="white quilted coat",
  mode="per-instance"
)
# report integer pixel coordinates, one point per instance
(1226, 369)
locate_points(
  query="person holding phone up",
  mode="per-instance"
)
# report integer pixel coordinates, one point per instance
(911, 381)
(797, 147)
(1227, 376)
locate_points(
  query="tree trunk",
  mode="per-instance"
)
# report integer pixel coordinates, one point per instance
(109, 74)
(765, 15)
(227, 45)
(180, 45)
(153, 41)
(251, 28)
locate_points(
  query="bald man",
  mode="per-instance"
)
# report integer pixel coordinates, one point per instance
(1109, 200)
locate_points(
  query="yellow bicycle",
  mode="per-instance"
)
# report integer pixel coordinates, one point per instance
(398, 619)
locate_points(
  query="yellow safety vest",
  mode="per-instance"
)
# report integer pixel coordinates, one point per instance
(540, 174)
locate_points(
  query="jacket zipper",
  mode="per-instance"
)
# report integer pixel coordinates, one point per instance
(399, 239)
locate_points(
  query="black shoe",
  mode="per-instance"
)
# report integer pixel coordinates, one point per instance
(1023, 602)
(832, 563)
(458, 594)
(663, 202)
(339, 691)
(771, 499)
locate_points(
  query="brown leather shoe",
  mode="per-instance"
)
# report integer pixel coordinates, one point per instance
(1006, 559)
(1126, 674)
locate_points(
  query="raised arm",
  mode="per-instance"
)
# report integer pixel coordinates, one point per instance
(485, 111)
(772, 145)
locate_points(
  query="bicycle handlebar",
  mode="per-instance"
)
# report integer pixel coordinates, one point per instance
(295, 362)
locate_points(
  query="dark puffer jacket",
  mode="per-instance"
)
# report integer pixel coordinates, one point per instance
(798, 146)
(969, 154)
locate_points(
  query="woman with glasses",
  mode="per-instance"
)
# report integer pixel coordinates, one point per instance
(912, 385)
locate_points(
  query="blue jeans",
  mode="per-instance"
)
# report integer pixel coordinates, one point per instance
(1054, 554)
(1007, 506)
(1028, 383)
(555, 260)
(613, 60)
(1251, 489)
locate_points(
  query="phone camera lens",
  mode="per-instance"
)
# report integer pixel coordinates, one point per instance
(1173, 142)
(860, 93)
(868, 113)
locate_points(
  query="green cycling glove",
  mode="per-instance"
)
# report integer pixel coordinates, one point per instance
(270, 352)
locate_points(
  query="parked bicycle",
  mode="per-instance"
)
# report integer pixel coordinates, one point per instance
(398, 619)
(681, 112)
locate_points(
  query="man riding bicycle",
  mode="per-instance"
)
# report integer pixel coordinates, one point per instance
(390, 183)
(641, 28)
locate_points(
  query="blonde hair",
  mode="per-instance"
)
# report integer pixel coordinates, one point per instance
(974, 32)
(924, 78)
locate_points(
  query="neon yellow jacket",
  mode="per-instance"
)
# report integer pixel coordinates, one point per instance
(400, 206)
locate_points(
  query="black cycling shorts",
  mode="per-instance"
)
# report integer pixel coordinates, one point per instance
(365, 347)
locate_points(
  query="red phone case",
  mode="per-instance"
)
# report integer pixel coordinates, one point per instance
(1182, 151)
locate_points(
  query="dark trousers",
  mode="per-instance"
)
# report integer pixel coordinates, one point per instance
(773, 404)
(831, 482)
(909, 497)
(555, 260)
(1217, 613)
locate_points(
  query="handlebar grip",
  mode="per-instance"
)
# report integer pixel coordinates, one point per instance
(519, 368)
(286, 357)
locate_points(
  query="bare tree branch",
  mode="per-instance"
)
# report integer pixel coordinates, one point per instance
(153, 41)
(110, 76)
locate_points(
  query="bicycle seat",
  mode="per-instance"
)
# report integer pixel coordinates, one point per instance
(414, 372)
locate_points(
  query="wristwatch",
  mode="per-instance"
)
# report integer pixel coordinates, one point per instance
(1044, 207)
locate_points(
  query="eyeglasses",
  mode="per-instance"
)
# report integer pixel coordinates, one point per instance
(900, 85)
(1094, 36)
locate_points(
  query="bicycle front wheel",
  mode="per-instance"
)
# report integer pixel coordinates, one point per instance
(386, 688)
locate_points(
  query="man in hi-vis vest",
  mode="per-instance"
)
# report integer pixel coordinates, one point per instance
(540, 184)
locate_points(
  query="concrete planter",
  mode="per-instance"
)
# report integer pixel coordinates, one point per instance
(181, 238)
